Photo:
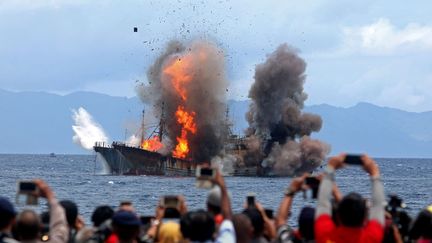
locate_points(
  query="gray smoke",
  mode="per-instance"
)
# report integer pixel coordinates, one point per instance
(276, 119)
(206, 96)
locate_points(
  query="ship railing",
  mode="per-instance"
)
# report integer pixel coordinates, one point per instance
(102, 144)
(125, 144)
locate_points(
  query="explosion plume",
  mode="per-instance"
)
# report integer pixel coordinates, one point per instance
(276, 123)
(86, 130)
(187, 88)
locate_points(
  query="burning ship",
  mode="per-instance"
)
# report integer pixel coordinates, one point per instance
(187, 85)
(128, 159)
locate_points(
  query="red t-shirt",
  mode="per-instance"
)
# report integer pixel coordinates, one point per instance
(327, 232)
(112, 238)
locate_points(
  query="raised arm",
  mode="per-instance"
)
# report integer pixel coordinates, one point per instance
(225, 200)
(285, 205)
(378, 198)
(326, 185)
(59, 232)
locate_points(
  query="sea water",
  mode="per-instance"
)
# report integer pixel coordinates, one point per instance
(80, 178)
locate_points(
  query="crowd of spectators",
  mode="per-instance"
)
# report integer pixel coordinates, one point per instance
(336, 218)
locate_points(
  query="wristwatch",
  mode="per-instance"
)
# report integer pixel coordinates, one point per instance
(289, 192)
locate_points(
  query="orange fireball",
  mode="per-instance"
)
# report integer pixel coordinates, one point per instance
(180, 73)
(152, 144)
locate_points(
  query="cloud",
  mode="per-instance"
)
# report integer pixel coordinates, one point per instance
(382, 37)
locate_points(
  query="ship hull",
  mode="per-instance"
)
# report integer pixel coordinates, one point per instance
(127, 160)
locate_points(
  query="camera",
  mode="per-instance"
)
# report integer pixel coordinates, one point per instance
(396, 207)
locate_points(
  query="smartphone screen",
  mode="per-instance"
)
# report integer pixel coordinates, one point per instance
(26, 194)
(312, 182)
(353, 159)
(203, 176)
(170, 201)
(207, 172)
(27, 187)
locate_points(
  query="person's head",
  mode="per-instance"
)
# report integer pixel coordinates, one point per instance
(101, 214)
(27, 225)
(422, 225)
(257, 221)
(306, 223)
(8, 213)
(169, 232)
(197, 225)
(126, 206)
(214, 200)
(243, 228)
(352, 211)
(126, 225)
(71, 211)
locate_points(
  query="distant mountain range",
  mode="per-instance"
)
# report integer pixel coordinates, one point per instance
(38, 122)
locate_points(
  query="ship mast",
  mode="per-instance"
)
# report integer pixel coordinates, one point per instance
(142, 129)
(228, 122)
(161, 123)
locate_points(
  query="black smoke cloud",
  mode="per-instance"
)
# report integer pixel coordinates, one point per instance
(276, 120)
(206, 94)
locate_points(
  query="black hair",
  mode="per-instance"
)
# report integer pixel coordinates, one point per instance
(126, 232)
(6, 219)
(213, 209)
(27, 225)
(71, 211)
(306, 223)
(256, 219)
(351, 210)
(101, 214)
(197, 226)
(422, 226)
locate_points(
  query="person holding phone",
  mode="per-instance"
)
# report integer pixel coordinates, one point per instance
(28, 219)
(351, 214)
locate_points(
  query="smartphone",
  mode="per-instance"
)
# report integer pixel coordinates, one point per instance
(203, 176)
(205, 173)
(313, 183)
(26, 187)
(27, 193)
(250, 200)
(269, 213)
(170, 201)
(353, 159)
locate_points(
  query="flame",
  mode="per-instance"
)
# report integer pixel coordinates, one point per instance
(179, 73)
(152, 144)
(185, 119)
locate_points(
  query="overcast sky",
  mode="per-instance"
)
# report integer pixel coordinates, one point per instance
(373, 51)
